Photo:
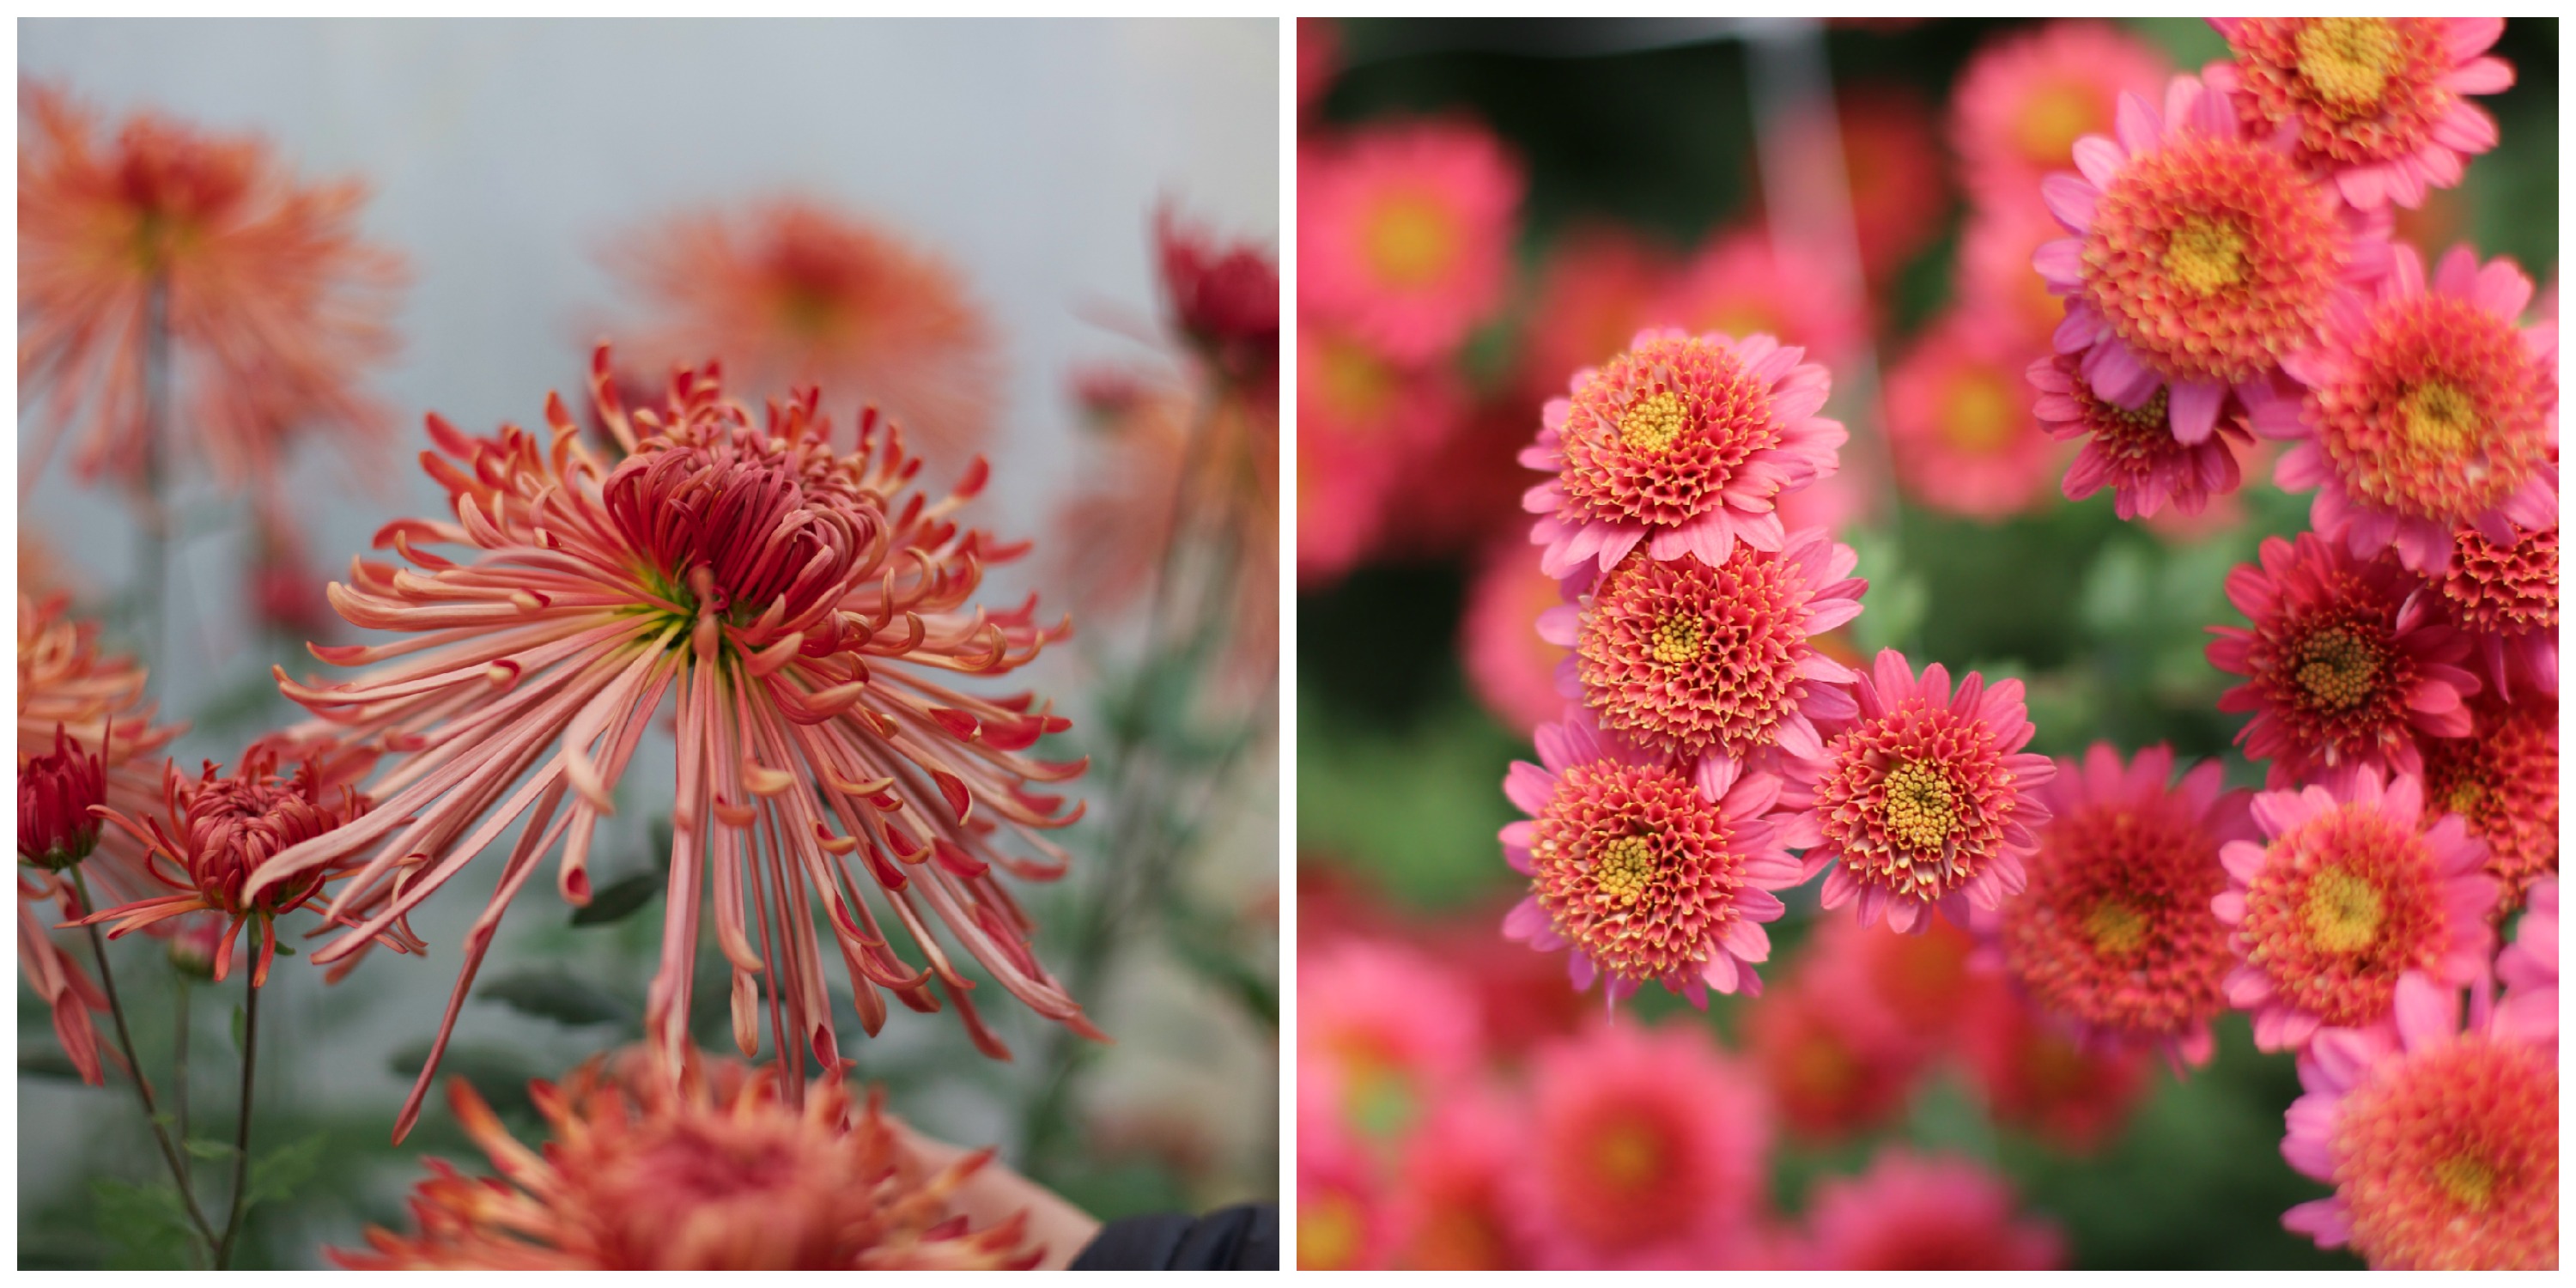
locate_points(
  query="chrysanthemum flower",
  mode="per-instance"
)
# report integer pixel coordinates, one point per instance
(56, 793)
(2200, 257)
(800, 604)
(1837, 1062)
(2343, 666)
(1361, 419)
(2506, 597)
(2529, 965)
(272, 305)
(1646, 870)
(1342, 1220)
(722, 1172)
(1961, 427)
(66, 684)
(2377, 104)
(1717, 663)
(2033, 1075)
(1645, 1151)
(2115, 930)
(2133, 451)
(58, 979)
(1224, 300)
(1927, 799)
(1448, 1191)
(2353, 886)
(1684, 440)
(2441, 1143)
(1393, 1027)
(2427, 406)
(792, 291)
(1924, 1212)
(1746, 282)
(1404, 232)
(1509, 665)
(1993, 276)
(1592, 293)
(2025, 98)
(1924, 984)
(2502, 779)
(1892, 166)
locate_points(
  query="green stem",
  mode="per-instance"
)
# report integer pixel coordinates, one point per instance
(142, 1085)
(241, 1131)
(179, 1075)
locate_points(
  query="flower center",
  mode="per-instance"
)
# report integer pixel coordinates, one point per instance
(2206, 255)
(1980, 414)
(1328, 1232)
(2440, 419)
(2465, 796)
(1626, 868)
(2117, 929)
(1677, 639)
(2469, 1180)
(1654, 422)
(1412, 241)
(2054, 119)
(807, 309)
(2337, 669)
(1919, 810)
(1356, 385)
(2346, 59)
(2343, 911)
(1627, 1157)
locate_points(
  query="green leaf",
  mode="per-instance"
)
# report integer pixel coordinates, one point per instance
(285, 949)
(148, 1224)
(276, 1174)
(618, 900)
(215, 1149)
(551, 994)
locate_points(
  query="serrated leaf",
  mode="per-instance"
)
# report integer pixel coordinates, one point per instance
(618, 900)
(551, 994)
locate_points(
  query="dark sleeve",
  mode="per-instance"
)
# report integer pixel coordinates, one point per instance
(1235, 1238)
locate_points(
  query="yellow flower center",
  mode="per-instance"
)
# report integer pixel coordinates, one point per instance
(1412, 240)
(2117, 929)
(2439, 418)
(1627, 1158)
(2343, 911)
(2054, 118)
(1978, 417)
(2465, 796)
(2337, 669)
(1919, 809)
(1654, 422)
(2470, 1181)
(2346, 60)
(1740, 318)
(2206, 255)
(1677, 639)
(1328, 1233)
(1626, 868)
(1355, 383)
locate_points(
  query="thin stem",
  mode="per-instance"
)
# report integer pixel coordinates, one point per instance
(179, 1076)
(241, 1131)
(142, 1085)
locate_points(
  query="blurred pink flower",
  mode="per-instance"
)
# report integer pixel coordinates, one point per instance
(1960, 422)
(1512, 670)
(1404, 232)
(1746, 282)
(2025, 97)
(1393, 1029)
(1921, 1212)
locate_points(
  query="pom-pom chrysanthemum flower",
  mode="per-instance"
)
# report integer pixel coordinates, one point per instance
(2353, 886)
(1361, 419)
(2503, 779)
(2377, 104)
(1391, 1027)
(801, 606)
(1960, 427)
(722, 1172)
(2441, 1143)
(2200, 257)
(1746, 282)
(2427, 406)
(1681, 444)
(2115, 930)
(2033, 1075)
(1702, 662)
(2506, 598)
(2344, 664)
(1836, 1061)
(1646, 870)
(1511, 667)
(2025, 98)
(2133, 451)
(1404, 233)
(1918, 1212)
(1927, 799)
(1448, 1209)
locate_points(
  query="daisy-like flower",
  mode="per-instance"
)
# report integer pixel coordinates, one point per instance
(2377, 104)
(2033, 1075)
(721, 1172)
(2025, 98)
(1925, 1212)
(1836, 1061)
(793, 291)
(1681, 443)
(2353, 886)
(1394, 1029)
(2502, 779)
(1645, 1150)
(1404, 232)
(800, 604)
(1923, 984)
(2133, 451)
(1361, 419)
(1646, 870)
(2427, 406)
(1511, 667)
(1927, 799)
(2441, 1142)
(2505, 595)
(1717, 663)
(2200, 257)
(1960, 422)
(1745, 282)
(2115, 931)
(2343, 664)
(1448, 1193)
(271, 304)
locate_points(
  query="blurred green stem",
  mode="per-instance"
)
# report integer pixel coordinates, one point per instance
(134, 1067)
(179, 1075)
(241, 1130)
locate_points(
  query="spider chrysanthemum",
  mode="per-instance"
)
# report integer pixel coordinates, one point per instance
(1682, 443)
(2377, 104)
(2357, 882)
(2506, 597)
(1927, 799)
(2133, 451)
(802, 608)
(1404, 233)
(2503, 779)
(2344, 665)
(1646, 870)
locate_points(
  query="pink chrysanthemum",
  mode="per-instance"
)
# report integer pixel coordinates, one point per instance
(1703, 662)
(1647, 870)
(1836, 1060)
(2427, 407)
(1509, 665)
(1645, 1151)
(1594, 290)
(2375, 103)
(1684, 440)
(2343, 666)
(2025, 98)
(2441, 1143)
(1746, 282)
(1960, 427)
(2033, 1075)
(2506, 598)
(1404, 232)
(2528, 967)
(1392, 1027)
(2352, 887)
(1921, 1212)
(1360, 420)
(2115, 930)
(2503, 780)
(1448, 1205)
(1993, 277)
(2133, 451)
(2200, 257)
(1341, 1215)
(1927, 799)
